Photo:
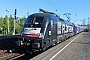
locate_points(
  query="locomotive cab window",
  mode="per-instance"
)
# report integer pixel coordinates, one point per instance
(34, 22)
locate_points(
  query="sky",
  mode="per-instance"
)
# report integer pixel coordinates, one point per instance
(79, 9)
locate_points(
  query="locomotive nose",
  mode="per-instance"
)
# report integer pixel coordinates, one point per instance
(39, 35)
(31, 35)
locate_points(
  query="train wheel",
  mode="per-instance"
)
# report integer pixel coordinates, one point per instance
(42, 49)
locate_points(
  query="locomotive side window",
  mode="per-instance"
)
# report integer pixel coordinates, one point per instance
(51, 23)
(58, 27)
(55, 23)
(35, 22)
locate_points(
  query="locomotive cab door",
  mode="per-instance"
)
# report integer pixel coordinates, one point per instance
(54, 31)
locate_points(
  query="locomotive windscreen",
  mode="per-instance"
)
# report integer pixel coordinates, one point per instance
(35, 22)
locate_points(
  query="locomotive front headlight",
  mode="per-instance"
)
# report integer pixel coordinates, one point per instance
(41, 35)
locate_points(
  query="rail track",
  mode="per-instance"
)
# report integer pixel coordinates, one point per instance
(5, 55)
(2, 51)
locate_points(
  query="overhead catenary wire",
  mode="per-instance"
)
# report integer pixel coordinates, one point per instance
(28, 6)
(67, 15)
(55, 6)
(21, 4)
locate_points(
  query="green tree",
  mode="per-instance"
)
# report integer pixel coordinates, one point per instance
(5, 24)
(11, 24)
(1, 23)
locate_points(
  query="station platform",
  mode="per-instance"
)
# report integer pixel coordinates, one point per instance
(74, 48)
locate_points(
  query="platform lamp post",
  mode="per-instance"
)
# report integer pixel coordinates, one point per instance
(8, 20)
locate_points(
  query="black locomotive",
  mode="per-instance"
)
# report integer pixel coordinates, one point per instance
(42, 30)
